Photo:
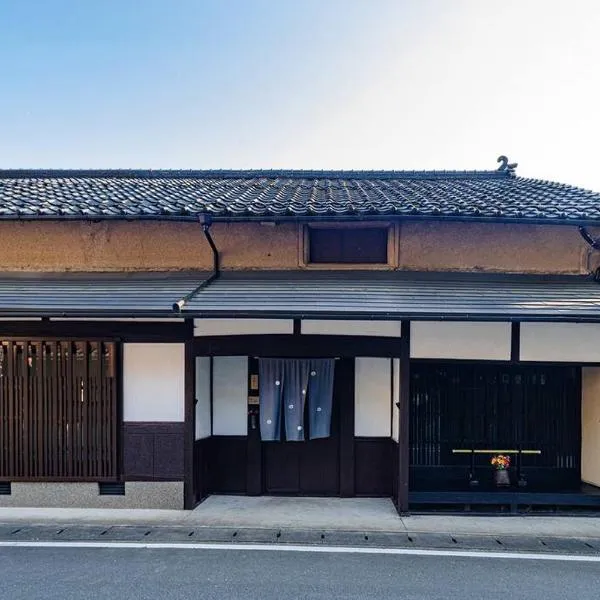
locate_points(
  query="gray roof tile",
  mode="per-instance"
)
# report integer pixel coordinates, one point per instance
(496, 195)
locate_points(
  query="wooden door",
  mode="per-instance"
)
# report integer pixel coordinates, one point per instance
(311, 467)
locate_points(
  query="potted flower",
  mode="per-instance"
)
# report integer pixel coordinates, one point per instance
(501, 463)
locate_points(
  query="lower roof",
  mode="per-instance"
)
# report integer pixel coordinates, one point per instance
(293, 294)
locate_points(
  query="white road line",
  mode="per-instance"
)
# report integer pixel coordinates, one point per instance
(298, 548)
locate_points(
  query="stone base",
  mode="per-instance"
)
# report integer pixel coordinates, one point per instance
(138, 494)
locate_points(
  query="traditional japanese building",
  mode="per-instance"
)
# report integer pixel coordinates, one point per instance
(166, 335)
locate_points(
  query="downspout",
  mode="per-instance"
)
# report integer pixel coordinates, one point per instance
(206, 222)
(595, 244)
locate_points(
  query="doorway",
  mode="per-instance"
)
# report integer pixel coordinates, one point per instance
(308, 467)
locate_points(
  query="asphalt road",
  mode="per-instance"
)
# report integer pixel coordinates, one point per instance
(165, 574)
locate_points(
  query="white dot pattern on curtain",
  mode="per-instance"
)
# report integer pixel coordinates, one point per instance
(270, 377)
(320, 399)
(294, 398)
(284, 386)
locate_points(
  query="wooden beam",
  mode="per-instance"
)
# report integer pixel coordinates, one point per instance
(297, 346)
(98, 330)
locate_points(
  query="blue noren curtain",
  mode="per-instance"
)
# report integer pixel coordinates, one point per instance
(320, 399)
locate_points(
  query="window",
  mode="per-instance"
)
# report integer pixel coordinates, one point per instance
(58, 410)
(349, 245)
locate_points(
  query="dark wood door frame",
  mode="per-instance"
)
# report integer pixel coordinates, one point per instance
(297, 346)
(255, 474)
(347, 348)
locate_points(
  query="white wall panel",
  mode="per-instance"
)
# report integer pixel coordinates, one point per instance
(560, 342)
(230, 395)
(465, 340)
(243, 326)
(153, 382)
(203, 425)
(395, 398)
(373, 397)
(372, 328)
(590, 426)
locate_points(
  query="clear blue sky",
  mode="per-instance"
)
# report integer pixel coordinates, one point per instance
(302, 84)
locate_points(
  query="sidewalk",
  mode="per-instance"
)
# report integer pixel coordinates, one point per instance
(233, 513)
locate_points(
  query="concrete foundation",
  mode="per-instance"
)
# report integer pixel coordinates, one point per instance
(138, 494)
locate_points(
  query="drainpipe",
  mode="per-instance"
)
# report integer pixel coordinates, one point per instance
(206, 222)
(595, 244)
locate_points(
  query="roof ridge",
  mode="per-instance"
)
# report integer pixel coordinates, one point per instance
(247, 173)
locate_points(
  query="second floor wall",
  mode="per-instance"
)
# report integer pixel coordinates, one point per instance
(168, 245)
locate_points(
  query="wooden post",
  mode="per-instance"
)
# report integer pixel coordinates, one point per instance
(344, 390)
(189, 492)
(403, 416)
(254, 483)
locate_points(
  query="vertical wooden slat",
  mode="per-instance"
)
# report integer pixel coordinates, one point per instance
(78, 427)
(12, 442)
(26, 422)
(90, 425)
(4, 415)
(44, 411)
(111, 395)
(67, 382)
(18, 366)
(96, 412)
(62, 449)
(54, 423)
(3, 447)
(36, 384)
(102, 422)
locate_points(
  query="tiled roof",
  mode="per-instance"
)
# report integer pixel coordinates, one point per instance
(495, 195)
(345, 295)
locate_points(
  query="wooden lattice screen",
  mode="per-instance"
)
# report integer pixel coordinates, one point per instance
(58, 410)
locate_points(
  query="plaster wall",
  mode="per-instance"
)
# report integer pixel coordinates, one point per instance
(143, 246)
(210, 327)
(230, 395)
(590, 426)
(560, 342)
(202, 398)
(168, 245)
(372, 397)
(368, 328)
(454, 246)
(466, 340)
(395, 399)
(153, 382)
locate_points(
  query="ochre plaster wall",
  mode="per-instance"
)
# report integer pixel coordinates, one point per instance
(452, 246)
(590, 426)
(143, 245)
(152, 245)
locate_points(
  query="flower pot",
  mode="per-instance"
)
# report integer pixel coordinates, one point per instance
(501, 478)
